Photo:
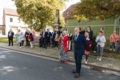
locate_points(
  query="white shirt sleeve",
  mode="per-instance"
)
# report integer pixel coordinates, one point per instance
(103, 39)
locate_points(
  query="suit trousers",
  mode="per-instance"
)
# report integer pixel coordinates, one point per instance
(78, 61)
(10, 40)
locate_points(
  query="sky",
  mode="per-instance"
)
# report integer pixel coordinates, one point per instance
(68, 3)
(10, 4)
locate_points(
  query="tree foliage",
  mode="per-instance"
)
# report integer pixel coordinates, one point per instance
(38, 13)
(97, 9)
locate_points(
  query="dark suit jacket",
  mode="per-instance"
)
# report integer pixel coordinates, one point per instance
(79, 44)
(53, 34)
(12, 34)
(91, 34)
(47, 34)
(26, 34)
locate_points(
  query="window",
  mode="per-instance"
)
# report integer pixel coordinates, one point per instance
(11, 19)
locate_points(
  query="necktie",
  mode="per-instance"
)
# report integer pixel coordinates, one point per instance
(76, 36)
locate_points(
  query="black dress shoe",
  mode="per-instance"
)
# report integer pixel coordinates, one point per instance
(61, 61)
(74, 71)
(76, 75)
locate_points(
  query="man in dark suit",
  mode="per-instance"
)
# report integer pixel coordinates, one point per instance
(10, 37)
(26, 38)
(79, 45)
(47, 38)
(53, 34)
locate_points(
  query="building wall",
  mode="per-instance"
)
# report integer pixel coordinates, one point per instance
(15, 24)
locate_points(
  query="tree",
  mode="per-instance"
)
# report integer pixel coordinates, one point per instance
(38, 13)
(97, 9)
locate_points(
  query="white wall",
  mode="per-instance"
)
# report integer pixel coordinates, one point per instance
(5, 4)
(19, 24)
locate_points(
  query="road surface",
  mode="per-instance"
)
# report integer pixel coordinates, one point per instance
(19, 66)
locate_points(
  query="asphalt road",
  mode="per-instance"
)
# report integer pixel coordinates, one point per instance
(17, 66)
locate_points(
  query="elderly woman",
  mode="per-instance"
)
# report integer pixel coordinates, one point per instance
(64, 47)
(18, 37)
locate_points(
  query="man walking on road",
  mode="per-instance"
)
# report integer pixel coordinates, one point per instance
(79, 45)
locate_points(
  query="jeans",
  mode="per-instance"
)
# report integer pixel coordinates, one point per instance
(100, 50)
(112, 45)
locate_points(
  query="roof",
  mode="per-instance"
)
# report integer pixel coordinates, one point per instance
(12, 12)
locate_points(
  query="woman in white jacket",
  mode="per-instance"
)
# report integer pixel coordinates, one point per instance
(22, 40)
(100, 40)
(17, 37)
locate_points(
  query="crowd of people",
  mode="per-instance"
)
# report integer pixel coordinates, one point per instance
(21, 37)
(82, 42)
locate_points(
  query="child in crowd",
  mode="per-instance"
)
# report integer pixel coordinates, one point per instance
(100, 40)
(88, 47)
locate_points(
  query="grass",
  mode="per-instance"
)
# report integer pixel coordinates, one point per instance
(5, 40)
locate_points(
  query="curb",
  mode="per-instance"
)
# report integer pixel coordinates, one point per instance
(88, 66)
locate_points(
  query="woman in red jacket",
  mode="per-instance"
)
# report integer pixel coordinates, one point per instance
(64, 47)
(31, 39)
(88, 46)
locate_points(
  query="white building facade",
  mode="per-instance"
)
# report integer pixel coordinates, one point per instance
(12, 21)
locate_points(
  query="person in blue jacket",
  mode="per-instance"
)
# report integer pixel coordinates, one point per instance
(79, 48)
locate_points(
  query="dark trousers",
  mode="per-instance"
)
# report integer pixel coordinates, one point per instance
(27, 42)
(53, 42)
(41, 42)
(10, 41)
(22, 43)
(78, 61)
(45, 42)
(112, 45)
(48, 41)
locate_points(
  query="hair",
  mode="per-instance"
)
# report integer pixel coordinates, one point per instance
(101, 32)
(65, 32)
(76, 28)
(80, 28)
(89, 27)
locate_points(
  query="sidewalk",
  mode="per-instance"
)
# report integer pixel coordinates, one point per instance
(106, 65)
